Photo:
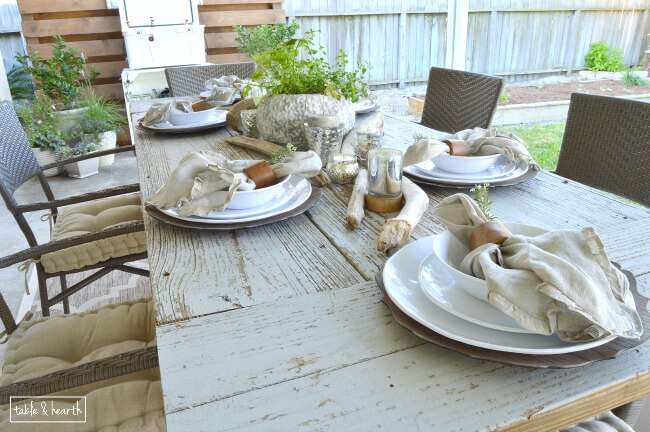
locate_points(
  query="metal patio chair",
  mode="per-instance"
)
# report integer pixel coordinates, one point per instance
(101, 230)
(190, 80)
(458, 100)
(607, 145)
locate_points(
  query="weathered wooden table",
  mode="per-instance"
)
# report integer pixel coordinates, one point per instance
(281, 328)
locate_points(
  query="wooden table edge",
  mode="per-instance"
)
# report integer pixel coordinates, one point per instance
(585, 407)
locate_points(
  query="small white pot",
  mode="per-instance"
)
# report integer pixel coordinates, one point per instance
(83, 169)
(107, 141)
(44, 157)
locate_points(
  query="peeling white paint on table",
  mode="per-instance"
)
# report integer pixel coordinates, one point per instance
(281, 328)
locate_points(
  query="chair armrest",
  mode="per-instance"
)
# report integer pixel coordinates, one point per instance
(105, 193)
(92, 155)
(37, 251)
(87, 373)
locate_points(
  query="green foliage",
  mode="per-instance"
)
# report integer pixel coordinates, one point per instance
(482, 198)
(544, 142)
(603, 58)
(260, 39)
(77, 147)
(630, 79)
(283, 155)
(62, 76)
(299, 67)
(101, 115)
(504, 97)
(39, 123)
(20, 83)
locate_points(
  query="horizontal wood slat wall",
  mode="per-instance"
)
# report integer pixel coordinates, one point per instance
(88, 26)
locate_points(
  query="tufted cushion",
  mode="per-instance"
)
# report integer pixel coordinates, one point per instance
(134, 406)
(93, 217)
(42, 346)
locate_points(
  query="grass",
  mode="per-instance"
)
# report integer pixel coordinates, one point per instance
(544, 142)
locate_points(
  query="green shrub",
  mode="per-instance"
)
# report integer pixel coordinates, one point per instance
(603, 58)
(101, 115)
(299, 67)
(630, 79)
(39, 123)
(257, 40)
(62, 76)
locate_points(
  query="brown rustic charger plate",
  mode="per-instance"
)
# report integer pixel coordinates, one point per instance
(531, 173)
(559, 361)
(163, 217)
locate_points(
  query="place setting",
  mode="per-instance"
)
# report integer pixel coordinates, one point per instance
(208, 191)
(183, 116)
(514, 293)
(470, 157)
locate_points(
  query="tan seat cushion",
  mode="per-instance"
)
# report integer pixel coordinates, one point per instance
(42, 346)
(93, 217)
(135, 406)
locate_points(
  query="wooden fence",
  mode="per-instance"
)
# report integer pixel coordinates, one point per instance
(94, 29)
(518, 39)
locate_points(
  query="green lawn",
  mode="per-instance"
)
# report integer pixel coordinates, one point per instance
(544, 142)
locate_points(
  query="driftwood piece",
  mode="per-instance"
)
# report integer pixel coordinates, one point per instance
(321, 180)
(233, 118)
(396, 232)
(356, 204)
(265, 148)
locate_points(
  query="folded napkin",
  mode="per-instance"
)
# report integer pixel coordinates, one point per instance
(206, 181)
(560, 282)
(227, 88)
(482, 142)
(159, 112)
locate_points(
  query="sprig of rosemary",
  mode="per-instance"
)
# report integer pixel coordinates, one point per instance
(482, 198)
(284, 154)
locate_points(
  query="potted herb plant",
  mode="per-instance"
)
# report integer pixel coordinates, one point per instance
(40, 125)
(99, 124)
(62, 78)
(78, 145)
(299, 84)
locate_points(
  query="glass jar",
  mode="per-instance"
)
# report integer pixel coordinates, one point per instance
(324, 135)
(385, 172)
(342, 168)
(367, 141)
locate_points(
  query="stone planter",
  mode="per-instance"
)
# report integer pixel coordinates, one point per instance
(107, 141)
(66, 120)
(83, 169)
(280, 118)
(44, 157)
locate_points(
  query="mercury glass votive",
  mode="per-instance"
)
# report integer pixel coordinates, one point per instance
(367, 141)
(249, 123)
(324, 135)
(385, 172)
(342, 168)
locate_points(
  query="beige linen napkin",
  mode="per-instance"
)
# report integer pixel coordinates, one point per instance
(560, 282)
(482, 142)
(159, 112)
(206, 181)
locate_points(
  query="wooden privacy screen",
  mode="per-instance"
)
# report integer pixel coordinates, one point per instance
(92, 28)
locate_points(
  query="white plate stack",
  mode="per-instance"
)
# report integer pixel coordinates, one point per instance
(423, 279)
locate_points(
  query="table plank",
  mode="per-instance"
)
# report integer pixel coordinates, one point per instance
(195, 273)
(366, 374)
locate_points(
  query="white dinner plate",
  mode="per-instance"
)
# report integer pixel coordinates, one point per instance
(302, 193)
(364, 106)
(503, 167)
(446, 291)
(400, 277)
(168, 127)
(520, 170)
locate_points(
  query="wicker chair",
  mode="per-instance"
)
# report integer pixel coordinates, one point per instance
(190, 80)
(17, 165)
(607, 145)
(458, 100)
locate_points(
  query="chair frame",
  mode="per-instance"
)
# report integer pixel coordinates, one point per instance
(193, 77)
(36, 251)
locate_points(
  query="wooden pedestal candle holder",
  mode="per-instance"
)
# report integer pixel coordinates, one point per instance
(381, 204)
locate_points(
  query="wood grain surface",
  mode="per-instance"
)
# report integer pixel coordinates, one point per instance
(282, 327)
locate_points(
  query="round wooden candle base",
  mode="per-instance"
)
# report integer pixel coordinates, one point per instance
(380, 204)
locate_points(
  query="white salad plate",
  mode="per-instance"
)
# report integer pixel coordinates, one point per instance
(167, 127)
(300, 193)
(364, 106)
(502, 167)
(400, 279)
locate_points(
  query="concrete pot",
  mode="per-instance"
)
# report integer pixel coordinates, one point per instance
(107, 141)
(280, 118)
(44, 157)
(66, 120)
(83, 169)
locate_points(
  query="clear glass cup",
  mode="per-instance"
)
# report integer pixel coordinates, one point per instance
(342, 168)
(249, 123)
(385, 172)
(324, 135)
(367, 141)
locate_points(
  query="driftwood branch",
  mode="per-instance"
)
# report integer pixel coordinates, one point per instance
(357, 200)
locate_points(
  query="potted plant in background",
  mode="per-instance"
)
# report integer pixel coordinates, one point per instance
(300, 83)
(62, 78)
(99, 124)
(77, 144)
(40, 125)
